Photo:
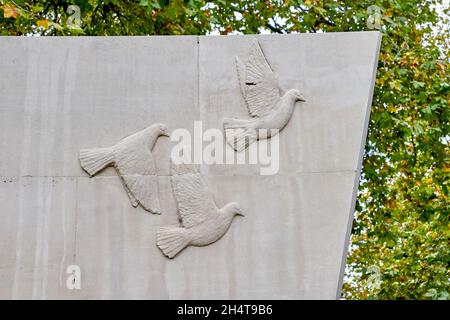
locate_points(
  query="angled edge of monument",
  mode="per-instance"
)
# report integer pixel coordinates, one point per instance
(359, 166)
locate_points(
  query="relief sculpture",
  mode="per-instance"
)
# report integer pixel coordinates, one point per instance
(132, 157)
(267, 108)
(201, 221)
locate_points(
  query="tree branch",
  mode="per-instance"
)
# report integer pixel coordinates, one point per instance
(273, 28)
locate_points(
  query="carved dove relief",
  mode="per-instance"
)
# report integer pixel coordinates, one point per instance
(132, 157)
(201, 221)
(269, 110)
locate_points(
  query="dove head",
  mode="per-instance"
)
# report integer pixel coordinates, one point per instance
(233, 209)
(296, 95)
(163, 131)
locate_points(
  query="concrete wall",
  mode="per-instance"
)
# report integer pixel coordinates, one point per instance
(59, 95)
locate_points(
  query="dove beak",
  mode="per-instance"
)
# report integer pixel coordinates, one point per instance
(239, 213)
(165, 133)
(301, 98)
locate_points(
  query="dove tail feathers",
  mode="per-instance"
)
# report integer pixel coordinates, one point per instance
(93, 160)
(237, 133)
(171, 240)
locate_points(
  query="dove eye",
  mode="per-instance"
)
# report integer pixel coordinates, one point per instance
(250, 83)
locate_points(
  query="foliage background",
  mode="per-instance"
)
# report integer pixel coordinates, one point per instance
(400, 239)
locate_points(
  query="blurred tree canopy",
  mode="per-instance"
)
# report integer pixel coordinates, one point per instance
(400, 242)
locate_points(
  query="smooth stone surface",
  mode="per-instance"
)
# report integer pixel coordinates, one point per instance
(333, 72)
(63, 94)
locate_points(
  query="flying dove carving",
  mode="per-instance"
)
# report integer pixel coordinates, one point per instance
(132, 157)
(202, 222)
(267, 108)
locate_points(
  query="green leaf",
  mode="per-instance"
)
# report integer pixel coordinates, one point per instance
(418, 84)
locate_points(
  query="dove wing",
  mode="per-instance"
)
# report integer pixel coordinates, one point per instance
(136, 166)
(194, 201)
(258, 83)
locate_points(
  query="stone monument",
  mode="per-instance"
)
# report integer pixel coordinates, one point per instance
(89, 127)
